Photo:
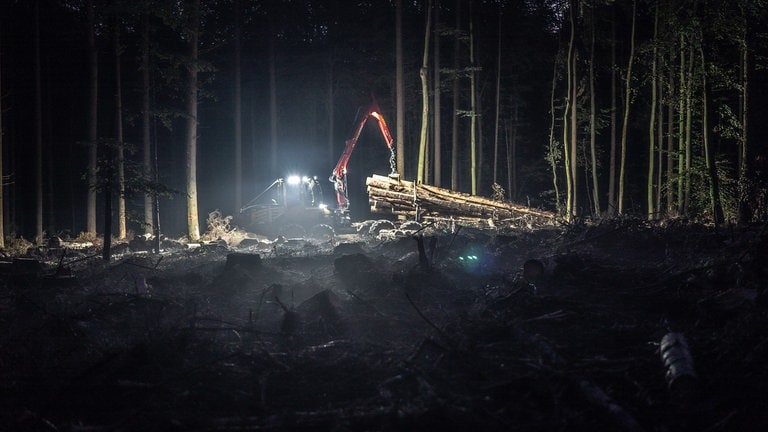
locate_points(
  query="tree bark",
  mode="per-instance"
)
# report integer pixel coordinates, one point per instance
(614, 109)
(593, 119)
(714, 183)
(627, 100)
(121, 223)
(93, 89)
(193, 223)
(473, 106)
(399, 89)
(38, 134)
(437, 135)
(455, 109)
(146, 142)
(652, 125)
(238, 111)
(424, 98)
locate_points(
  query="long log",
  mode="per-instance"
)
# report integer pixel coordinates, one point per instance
(406, 199)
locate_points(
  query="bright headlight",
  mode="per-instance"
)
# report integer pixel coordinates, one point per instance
(293, 180)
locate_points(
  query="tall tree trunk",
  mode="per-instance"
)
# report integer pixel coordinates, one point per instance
(497, 110)
(473, 104)
(627, 97)
(714, 184)
(399, 89)
(512, 173)
(569, 187)
(38, 134)
(238, 112)
(573, 117)
(273, 145)
(2, 171)
(121, 223)
(681, 127)
(424, 97)
(552, 151)
(688, 123)
(659, 145)
(455, 109)
(93, 87)
(744, 210)
(146, 142)
(614, 109)
(593, 118)
(652, 119)
(437, 135)
(670, 196)
(193, 222)
(331, 111)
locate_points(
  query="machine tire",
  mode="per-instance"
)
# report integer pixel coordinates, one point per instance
(322, 232)
(380, 225)
(293, 231)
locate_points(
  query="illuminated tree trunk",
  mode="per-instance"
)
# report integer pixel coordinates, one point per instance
(424, 98)
(574, 206)
(455, 94)
(614, 110)
(497, 110)
(714, 184)
(473, 105)
(121, 227)
(272, 105)
(193, 224)
(625, 123)
(2, 195)
(652, 119)
(593, 119)
(146, 142)
(93, 88)
(688, 123)
(552, 152)
(744, 212)
(569, 181)
(681, 128)
(238, 112)
(38, 135)
(436, 104)
(399, 89)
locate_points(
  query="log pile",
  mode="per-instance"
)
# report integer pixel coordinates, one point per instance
(424, 202)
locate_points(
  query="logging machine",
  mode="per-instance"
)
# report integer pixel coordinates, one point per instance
(294, 206)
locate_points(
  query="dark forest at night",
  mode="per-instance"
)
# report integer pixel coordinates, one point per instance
(383, 215)
(303, 71)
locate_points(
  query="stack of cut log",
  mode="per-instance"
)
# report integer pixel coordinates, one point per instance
(424, 202)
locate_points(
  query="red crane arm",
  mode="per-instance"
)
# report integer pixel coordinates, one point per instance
(338, 176)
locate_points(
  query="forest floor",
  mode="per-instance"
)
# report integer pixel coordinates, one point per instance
(365, 334)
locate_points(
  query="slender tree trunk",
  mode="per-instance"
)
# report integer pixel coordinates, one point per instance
(273, 145)
(455, 91)
(424, 98)
(680, 128)
(659, 145)
(146, 142)
(627, 97)
(399, 89)
(106, 252)
(121, 223)
(744, 210)
(552, 153)
(2, 171)
(437, 135)
(652, 118)
(573, 117)
(238, 112)
(688, 122)
(38, 134)
(498, 101)
(714, 184)
(614, 110)
(513, 151)
(331, 111)
(193, 222)
(670, 139)
(569, 181)
(93, 71)
(593, 118)
(473, 108)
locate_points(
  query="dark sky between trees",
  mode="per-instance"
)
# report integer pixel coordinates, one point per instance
(350, 44)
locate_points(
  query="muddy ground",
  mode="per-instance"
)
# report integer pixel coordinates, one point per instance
(364, 333)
